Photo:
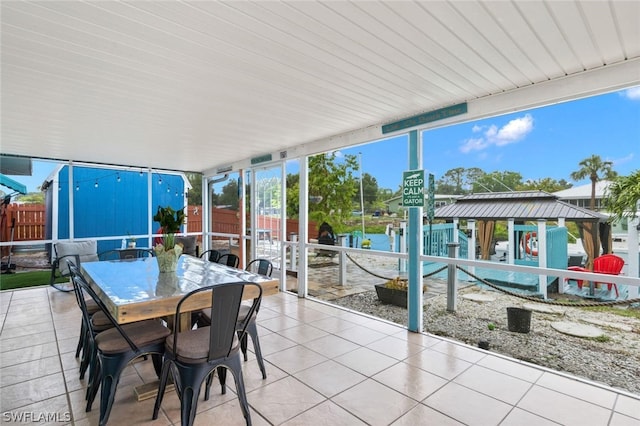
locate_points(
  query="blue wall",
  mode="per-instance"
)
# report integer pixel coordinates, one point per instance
(117, 206)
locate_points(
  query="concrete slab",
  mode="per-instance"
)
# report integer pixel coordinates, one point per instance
(479, 297)
(576, 329)
(609, 324)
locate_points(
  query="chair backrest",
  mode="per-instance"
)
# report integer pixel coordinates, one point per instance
(260, 266)
(81, 287)
(211, 255)
(229, 259)
(188, 244)
(79, 251)
(225, 305)
(124, 254)
(608, 264)
(73, 271)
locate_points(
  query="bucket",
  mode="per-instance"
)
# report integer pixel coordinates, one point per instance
(519, 320)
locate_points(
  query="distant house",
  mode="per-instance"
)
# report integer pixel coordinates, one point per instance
(580, 196)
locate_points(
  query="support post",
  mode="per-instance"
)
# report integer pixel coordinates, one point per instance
(632, 253)
(342, 271)
(542, 256)
(294, 251)
(451, 279)
(403, 247)
(471, 226)
(414, 240)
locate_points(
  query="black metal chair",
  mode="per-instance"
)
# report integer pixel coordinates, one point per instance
(98, 323)
(245, 322)
(211, 255)
(229, 259)
(125, 254)
(115, 348)
(193, 355)
(260, 266)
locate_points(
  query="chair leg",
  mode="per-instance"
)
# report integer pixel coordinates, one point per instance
(222, 378)
(111, 369)
(191, 380)
(252, 330)
(236, 369)
(615, 287)
(243, 344)
(94, 382)
(166, 367)
(81, 341)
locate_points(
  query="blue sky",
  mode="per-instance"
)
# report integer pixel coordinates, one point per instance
(543, 142)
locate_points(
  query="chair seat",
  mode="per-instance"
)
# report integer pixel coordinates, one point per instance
(193, 346)
(100, 322)
(142, 333)
(92, 306)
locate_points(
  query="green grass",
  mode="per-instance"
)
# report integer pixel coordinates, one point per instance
(26, 279)
(630, 312)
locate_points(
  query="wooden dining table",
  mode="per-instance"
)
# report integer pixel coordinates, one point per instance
(135, 289)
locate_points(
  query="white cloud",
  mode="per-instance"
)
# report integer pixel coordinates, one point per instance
(512, 132)
(633, 93)
(623, 160)
(476, 128)
(474, 145)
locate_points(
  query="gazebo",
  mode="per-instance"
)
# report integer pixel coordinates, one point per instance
(519, 207)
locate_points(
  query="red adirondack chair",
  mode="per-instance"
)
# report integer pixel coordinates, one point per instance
(605, 264)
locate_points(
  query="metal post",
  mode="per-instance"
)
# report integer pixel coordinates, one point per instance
(403, 247)
(451, 279)
(294, 250)
(342, 272)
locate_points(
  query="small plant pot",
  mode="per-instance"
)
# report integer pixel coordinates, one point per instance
(519, 320)
(391, 295)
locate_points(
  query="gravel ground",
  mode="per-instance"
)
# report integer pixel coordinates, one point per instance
(613, 360)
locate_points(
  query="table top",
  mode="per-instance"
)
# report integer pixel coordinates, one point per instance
(134, 289)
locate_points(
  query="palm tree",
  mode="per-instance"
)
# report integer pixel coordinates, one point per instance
(623, 196)
(596, 170)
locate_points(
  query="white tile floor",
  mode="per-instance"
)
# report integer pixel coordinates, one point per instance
(325, 366)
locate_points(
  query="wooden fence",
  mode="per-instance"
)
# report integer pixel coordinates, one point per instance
(227, 222)
(30, 222)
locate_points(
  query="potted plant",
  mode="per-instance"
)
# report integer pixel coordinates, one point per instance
(394, 291)
(167, 251)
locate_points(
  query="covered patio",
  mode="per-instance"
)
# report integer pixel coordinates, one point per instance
(219, 87)
(325, 365)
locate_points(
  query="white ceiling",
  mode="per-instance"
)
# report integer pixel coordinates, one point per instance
(197, 85)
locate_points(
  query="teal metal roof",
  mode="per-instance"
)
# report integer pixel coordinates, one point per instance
(12, 184)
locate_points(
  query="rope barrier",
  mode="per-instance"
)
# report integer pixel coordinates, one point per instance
(547, 302)
(389, 279)
(510, 293)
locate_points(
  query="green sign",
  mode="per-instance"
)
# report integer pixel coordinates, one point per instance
(427, 117)
(413, 188)
(261, 159)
